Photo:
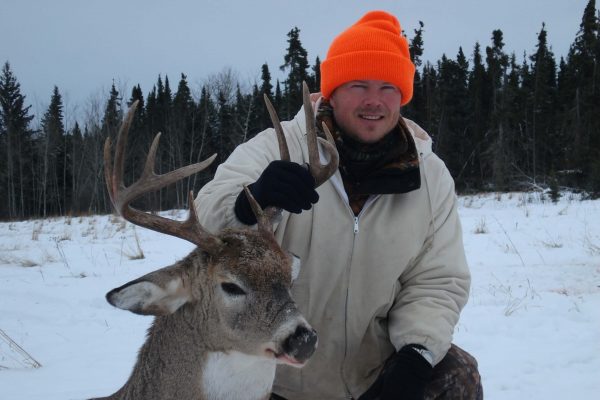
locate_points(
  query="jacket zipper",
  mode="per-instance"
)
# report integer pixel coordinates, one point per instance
(356, 230)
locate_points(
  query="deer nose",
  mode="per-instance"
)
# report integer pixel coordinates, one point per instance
(301, 344)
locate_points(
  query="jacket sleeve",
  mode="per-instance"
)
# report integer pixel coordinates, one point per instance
(435, 286)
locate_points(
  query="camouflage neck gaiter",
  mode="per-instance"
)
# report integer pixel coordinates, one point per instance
(388, 166)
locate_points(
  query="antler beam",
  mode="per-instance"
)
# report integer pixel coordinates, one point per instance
(121, 196)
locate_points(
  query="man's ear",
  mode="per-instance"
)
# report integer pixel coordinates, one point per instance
(160, 292)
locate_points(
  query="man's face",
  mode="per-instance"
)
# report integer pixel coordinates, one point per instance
(367, 109)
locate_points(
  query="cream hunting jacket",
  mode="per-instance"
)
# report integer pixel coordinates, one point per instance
(369, 285)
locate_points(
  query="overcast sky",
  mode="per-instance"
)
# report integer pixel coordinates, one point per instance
(82, 45)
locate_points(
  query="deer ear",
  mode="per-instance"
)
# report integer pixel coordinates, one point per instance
(158, 293)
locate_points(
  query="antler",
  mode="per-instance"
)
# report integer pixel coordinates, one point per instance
(121, 196)
(320, 172)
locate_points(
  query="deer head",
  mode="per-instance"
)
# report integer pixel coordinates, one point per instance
(231, 294)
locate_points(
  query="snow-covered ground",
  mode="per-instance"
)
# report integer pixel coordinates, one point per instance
(533, 320)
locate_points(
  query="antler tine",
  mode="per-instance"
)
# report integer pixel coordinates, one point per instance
(111, 172)
(284, 153)
(121, 196)
(320, 172)
(264, 218)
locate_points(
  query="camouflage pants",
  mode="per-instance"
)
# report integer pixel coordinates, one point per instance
(454, 378)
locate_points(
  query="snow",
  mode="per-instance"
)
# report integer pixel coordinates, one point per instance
(533, 319)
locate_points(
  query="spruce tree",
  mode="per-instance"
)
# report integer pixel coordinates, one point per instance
(207, 122)
(415, 110)
(112, 114)
(255, 118)
(450, 140)
(278, 103)
(184, 115)
(16, 176)
(315, 77)
(266, 88)
(53, 151)
(582, 77)
(243, 112)
(479, 93)
(546, 144)
(296, 61)
(220, 139)
(77, 168)
(429, 110)
(111, 121)
(138, 142)
(497, 152)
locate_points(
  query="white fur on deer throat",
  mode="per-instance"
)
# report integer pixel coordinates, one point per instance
(237, 376)
(296, 265)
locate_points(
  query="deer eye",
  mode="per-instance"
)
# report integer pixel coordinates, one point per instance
(232, 289)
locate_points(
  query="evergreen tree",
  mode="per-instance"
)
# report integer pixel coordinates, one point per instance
(450, 136)
(314, 81)
(111, 121)
(582, 79)
(151, 113)
(255, 118)
(266, 88)
(224, 127)
(278, 103)
(140, 113)
(428, 112)
(516, 145)
(112, 114)
(243, 112)
(296, 60)
(497, 153)
(184, 113)
(416, 46)
(415, 110)
(479, 109)
(546, 145)
(77, 168)
(16, 176)
(53, 150)
(139, 140)
(164, 101)
(207, 121)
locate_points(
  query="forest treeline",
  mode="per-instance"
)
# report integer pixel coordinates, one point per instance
(500, 122)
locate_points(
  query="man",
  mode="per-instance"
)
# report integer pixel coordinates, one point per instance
(384, 275)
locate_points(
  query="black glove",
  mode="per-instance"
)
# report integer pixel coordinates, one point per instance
(404, 376)
(282, 184)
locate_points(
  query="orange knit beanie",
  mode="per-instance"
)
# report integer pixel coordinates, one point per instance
(372, 48)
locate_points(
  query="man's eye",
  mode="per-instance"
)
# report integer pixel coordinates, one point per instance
(232, 289)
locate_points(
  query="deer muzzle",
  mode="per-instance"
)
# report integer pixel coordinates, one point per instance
(298, 347)
(301, 345)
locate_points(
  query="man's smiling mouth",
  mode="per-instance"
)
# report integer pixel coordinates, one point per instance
(371, 117)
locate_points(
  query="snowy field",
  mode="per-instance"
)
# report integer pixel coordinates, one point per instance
(533, 320)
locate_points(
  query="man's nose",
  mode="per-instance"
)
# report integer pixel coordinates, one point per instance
(372, 98)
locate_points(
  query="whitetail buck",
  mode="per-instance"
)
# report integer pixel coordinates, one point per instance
(224, 315)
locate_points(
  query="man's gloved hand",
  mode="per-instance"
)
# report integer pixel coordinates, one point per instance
(282, 184)
(404, 376)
